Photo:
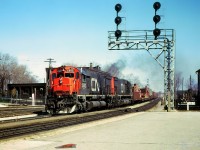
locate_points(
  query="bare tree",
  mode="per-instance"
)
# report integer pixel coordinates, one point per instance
(133, 79)
(190, 84)
(6, 64)
(11, 72)
(178, 80)
(20, 74)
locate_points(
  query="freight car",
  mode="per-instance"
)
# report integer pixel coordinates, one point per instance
(142, 94)
(78, 89)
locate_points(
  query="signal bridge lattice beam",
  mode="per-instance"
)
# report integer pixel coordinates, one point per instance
(145, 40)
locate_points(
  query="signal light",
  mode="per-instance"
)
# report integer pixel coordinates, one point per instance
(118, 20)
(156, 19)
(156, 32)
(156, 6)
(118, 7)
(118, 33)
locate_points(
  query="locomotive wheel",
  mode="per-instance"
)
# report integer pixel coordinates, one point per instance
(81, 108)
(51, 111)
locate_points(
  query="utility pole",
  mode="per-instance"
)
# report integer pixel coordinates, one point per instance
(48, 72)
(50, 61)
(148, 83)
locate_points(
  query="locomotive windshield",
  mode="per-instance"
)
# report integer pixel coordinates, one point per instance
(59, 75)
(69, 75)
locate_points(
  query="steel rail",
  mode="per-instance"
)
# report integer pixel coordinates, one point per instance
(24, 129)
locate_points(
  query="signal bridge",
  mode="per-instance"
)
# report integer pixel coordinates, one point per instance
(145, 40)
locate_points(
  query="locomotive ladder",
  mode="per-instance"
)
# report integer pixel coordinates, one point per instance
(144, 40)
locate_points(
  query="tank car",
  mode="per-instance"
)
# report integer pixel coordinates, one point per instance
(77, 89)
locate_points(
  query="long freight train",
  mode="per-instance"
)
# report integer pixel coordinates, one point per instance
(78, 89)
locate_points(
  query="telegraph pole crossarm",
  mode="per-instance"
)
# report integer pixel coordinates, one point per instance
(50, 61)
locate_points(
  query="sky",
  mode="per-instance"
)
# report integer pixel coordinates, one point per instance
(76, 32)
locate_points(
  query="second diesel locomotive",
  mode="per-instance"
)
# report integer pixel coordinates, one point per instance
(78, 89)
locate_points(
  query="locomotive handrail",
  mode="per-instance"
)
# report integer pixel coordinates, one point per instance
(62, 84)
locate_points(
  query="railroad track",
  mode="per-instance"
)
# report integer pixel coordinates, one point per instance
(11, 112)
(9, 132)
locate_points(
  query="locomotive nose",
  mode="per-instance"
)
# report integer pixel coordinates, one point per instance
(64, 85)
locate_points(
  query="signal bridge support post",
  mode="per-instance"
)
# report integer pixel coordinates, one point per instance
(144, 40)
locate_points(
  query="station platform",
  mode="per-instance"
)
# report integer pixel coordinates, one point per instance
(152, 130)
(3, 105)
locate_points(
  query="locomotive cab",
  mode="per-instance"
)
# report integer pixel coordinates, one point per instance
(64, 85)
(65, 81)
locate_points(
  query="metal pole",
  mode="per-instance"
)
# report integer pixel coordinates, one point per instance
(142, 40)
(50, 61)
(168, 74)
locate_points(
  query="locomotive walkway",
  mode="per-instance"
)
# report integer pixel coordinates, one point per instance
(152, 130)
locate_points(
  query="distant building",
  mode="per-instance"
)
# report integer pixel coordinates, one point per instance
(198, 74)
(25, 91)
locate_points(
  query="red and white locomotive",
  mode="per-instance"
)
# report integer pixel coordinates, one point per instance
(78, 89)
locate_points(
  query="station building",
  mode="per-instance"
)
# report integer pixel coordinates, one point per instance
(25, 92)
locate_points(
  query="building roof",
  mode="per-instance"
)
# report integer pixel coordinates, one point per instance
(198, 71)
(27, 85)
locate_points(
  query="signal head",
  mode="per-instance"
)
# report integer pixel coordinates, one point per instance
(156, 19)
(118, 33)
(156, 6)
(118, 20)
(156, 32)
(118, 7)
